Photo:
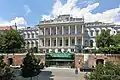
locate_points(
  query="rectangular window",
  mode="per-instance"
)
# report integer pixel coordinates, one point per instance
(43, 42)
(48, 42)
(73, 42)
(60, 42)
(54, 42)
(66, 42)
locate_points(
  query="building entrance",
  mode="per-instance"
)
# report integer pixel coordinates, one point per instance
(60, 59)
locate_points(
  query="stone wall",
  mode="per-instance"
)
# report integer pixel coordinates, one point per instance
(93, 58)
(114, 58)
(18, 58)
(79, 60)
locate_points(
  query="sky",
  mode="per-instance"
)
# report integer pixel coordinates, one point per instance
(31, 12)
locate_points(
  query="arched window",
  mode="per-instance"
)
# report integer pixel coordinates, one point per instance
(92, 32)
(24, 35)
(97, 32)
(91, 43)
(32, 44)
(28, 35)
(32, 35)
(36, 44)
(86, 43)
(28, 45)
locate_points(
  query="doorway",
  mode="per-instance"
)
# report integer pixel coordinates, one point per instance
(99, 61)
(10, 61)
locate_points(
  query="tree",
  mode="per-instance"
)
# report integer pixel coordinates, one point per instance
(117, 39)
(104, 39)
(109, 71)
(30, 65)
(6, 73)
(11, 40)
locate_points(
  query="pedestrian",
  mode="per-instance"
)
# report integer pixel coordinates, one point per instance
(76, 70)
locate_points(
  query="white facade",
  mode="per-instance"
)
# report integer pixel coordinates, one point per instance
(66, 33)
(61, 36)
(91, 30)
(30, 35)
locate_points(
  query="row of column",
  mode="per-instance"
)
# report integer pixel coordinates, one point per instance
(69, 41)
(69, 30)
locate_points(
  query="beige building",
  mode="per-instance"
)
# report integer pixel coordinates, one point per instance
(61, 34)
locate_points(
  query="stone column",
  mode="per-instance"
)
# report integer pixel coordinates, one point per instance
(56, 30)
(62, 41)
(82, 43)
(56, 41)
(44, 31)
(50, 31)
(69, 41)
(69, 30)
(62, 29)
(44, 42)
(75, 29)
(75, 40)
(50, 42)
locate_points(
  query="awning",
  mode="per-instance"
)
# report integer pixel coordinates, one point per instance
(60, 55)
(59, 60)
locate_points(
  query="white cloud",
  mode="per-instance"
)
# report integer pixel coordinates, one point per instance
(18, 20)
(27, 10)
(71, 8)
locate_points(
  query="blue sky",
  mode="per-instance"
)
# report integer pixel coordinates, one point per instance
(30, 12)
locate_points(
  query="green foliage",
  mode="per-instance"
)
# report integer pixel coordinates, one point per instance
(6, 73)
(117, 39)
(110, 50)
(109, 71)
(104, 39)
(30, 65)
(11, 40)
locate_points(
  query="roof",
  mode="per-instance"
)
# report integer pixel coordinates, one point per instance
(6, 28)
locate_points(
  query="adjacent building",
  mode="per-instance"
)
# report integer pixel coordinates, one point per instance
(30, 35)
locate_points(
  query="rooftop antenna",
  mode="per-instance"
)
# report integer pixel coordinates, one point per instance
(15, 26)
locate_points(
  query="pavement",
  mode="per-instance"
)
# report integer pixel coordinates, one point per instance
(53, 73)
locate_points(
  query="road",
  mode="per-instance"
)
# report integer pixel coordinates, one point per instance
(53, 73)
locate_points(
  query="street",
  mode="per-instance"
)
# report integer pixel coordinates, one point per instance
(53, 73)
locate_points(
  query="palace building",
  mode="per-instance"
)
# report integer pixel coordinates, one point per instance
(66, 33)
(61, 34)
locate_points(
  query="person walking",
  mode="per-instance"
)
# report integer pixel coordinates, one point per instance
(76, 70)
